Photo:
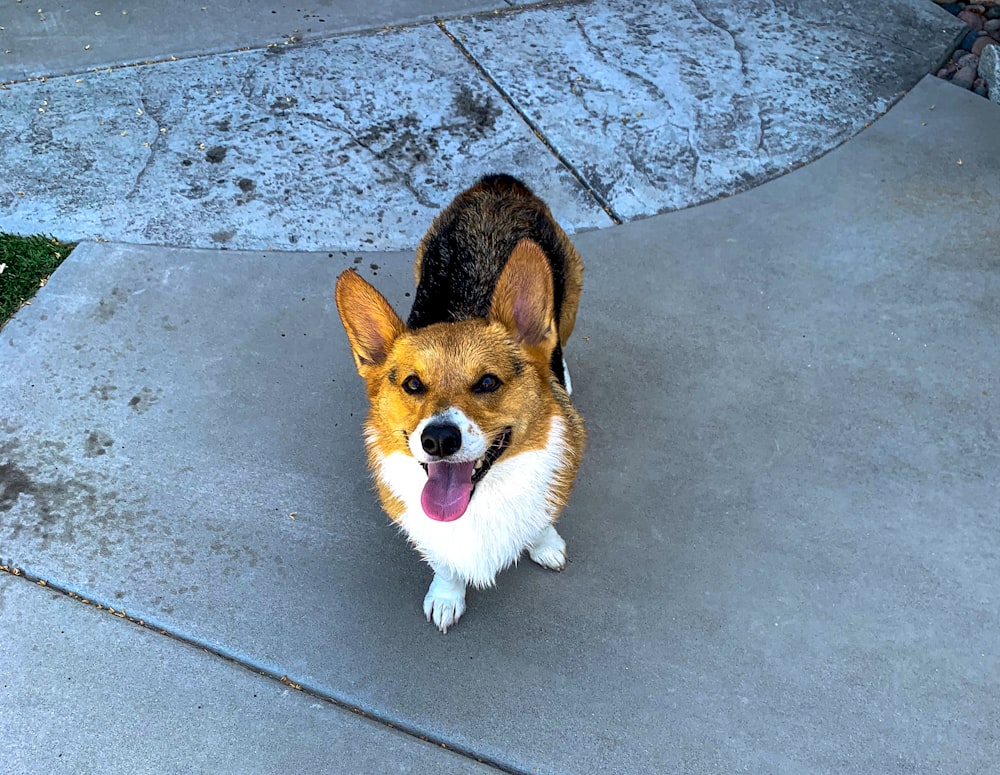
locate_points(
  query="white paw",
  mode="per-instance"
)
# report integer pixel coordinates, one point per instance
(444, 603)
(548, 549)
(569, 382)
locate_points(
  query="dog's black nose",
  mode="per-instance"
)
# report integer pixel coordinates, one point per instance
(441, 439)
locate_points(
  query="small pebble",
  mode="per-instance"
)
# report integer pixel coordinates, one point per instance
(965, 77)
(980, 44)
(968, 60)
(993, 25)
(968, 40)
(974, 20)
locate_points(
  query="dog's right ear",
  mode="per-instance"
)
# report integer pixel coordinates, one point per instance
(370, 321)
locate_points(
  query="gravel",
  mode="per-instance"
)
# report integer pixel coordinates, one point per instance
(975, 64)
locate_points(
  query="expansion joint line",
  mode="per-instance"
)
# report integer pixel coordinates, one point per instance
(262, 670)
(601, 201)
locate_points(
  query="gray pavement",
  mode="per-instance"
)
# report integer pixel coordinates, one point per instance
(783, 541)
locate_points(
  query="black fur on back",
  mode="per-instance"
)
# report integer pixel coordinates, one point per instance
(468, 246)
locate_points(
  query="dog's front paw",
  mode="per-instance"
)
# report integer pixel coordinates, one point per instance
(444, 603)
(548, 549)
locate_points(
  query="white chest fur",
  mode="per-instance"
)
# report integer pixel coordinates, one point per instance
(509, 508)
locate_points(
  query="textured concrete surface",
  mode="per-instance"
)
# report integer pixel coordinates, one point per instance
(783, 545)
(356, 141)
(340, 142)
(661, 115)
(77, 699)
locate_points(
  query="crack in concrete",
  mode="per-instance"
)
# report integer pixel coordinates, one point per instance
(151, 147)
(656, 93)
(741, 52)
(536, 130)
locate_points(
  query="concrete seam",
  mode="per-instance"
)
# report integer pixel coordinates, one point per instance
(266, 672)
(287, 42)
(597, 197)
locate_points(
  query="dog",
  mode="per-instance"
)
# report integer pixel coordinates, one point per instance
(471, 437)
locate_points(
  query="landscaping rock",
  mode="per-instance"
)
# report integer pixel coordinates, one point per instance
(968, 40)
(981, 43)
(989, 71)
(963, 67)
(973, 19)
(965, 77)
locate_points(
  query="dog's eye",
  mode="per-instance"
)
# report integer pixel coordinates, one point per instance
(488, 383)
(413, 385)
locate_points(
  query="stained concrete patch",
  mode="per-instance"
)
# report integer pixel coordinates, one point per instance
(660, 109)
(351, 142)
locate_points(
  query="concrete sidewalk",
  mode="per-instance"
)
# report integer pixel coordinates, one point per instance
(783, 542)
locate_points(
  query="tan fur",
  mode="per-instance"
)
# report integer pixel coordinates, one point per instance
(450, 358)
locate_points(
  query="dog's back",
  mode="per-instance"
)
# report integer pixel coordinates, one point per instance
(461, 256)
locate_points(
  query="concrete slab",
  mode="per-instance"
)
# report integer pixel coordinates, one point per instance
(783, 540)
(662, 109)
(86, 692)
(340, 142)
(67, 37)
(356, 141)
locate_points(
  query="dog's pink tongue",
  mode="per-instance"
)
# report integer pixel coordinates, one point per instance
(448, 490)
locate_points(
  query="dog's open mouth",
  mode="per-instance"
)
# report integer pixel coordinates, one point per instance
(449, 486)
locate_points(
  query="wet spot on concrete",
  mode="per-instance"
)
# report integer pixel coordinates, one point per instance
(105, 311)
(13, 484)
(479, 110)
(222, 237)
(103, 392)
(55, 499)
(216, 154)
(107, 307)
(97, 444)
(246, 185)
(143, 401)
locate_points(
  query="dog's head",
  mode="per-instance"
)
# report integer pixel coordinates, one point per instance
(459, 396)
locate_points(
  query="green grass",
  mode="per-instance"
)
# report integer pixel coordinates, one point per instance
(25, 265)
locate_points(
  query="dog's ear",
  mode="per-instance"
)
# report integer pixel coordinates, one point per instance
(523, 297)
(370, 321)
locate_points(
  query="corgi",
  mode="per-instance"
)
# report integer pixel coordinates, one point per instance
(471, 437)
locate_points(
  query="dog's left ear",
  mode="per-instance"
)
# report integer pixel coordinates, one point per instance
(523, 298)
